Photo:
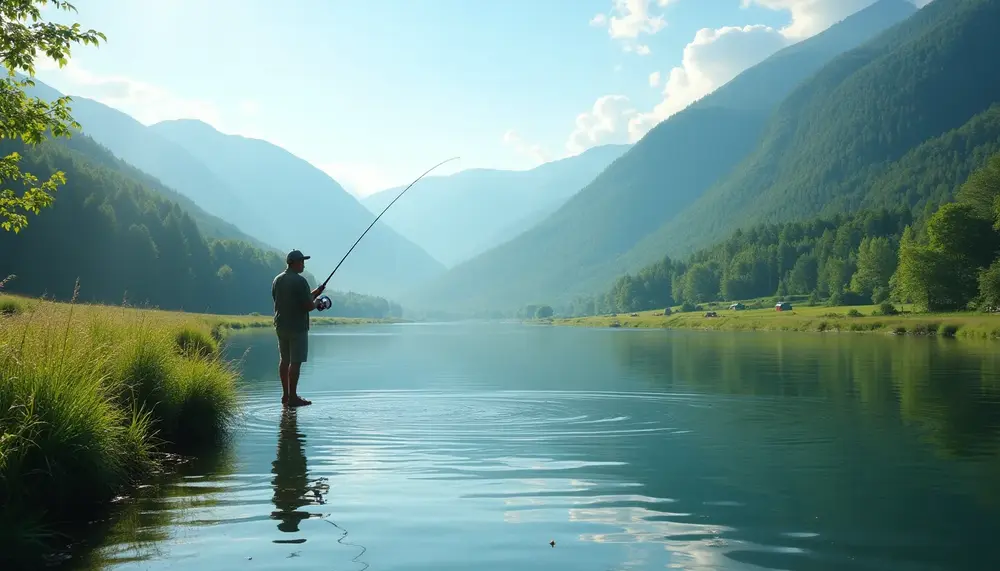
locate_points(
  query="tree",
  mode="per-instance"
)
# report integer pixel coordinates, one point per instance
(982, 191)
(804, 275)
(30, 118)
(931, 278)
(876, 264)
(989, 287)
(957, 230)
(543, 312)
(701, 283)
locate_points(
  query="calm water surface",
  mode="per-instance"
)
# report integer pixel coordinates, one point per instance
(468, 446)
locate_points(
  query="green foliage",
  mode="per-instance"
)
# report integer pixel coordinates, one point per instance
(951, 263)
(799, 258)
(543, 312)
(193, 341)
(123, 240)
(89, 399)
(886, 308)
(989, 287)
(955, 228)
(29, 119)
(876, 263)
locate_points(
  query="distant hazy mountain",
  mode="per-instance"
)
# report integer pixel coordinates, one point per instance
(458, 216)
(580, 249)
(212, 203)
(301, 207)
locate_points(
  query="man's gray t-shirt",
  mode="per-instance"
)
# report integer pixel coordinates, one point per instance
(290, 292)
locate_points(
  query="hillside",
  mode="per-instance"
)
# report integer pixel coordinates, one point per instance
(165, 167)
(458, 216)
(904, 118)
(943, 259)
(306, 209)
(580, 248)
(112, 228)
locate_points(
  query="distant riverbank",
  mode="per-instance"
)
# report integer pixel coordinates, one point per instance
(854, 319)
(95, 400)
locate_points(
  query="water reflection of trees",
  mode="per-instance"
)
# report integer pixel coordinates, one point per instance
(831, 426)
(945, 388)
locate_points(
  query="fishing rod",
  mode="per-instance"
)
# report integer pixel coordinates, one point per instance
(325, 303)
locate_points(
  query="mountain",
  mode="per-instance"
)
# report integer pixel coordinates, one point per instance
(458, 216)
(163, 165)
(581, 247)
(901, 120)
(302, 207)
(117, 230)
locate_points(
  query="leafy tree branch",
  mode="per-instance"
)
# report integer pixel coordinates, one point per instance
(23, 37)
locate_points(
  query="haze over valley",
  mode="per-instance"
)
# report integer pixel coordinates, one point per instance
(837, 113)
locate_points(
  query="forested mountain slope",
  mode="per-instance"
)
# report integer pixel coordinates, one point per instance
(171, 170)
(457, 216)
(113, 228)
(579, 248)
(306, 209)
(939, 259)
(904, 118)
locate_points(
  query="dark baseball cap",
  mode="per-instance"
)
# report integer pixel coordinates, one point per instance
(295, 256)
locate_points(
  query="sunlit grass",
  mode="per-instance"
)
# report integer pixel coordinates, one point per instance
(857, 319)
(90, 398)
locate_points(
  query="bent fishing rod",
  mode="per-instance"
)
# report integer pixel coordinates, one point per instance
(380, 216)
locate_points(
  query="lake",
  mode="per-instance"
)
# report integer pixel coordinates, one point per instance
(474, 446)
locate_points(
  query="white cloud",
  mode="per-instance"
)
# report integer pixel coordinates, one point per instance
(607, 122)
(512, 139)
(712, 59)
(810, 17)
(631, 18)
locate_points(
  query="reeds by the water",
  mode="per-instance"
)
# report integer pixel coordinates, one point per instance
(90, 398)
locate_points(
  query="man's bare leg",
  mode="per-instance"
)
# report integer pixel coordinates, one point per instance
(293, 386)
(283, 369)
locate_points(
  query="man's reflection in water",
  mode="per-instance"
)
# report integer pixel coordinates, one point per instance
(292, 488)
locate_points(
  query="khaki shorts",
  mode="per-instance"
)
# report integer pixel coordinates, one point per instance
(293, 346)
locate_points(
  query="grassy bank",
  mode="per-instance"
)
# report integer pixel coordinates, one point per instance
(94, 399)
(858, 319)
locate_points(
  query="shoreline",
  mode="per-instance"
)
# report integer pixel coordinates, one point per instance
(817, 319)
(213, 320)
(98, 400)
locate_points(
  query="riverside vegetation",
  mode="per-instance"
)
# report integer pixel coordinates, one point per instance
(945, 265)
(95, 399)
(91, 401)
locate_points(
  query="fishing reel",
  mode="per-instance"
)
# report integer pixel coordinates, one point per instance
(323, 302)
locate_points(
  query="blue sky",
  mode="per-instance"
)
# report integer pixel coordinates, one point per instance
(377, 92)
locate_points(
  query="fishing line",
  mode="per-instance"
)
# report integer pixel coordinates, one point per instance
(326, 303)
(341, 541)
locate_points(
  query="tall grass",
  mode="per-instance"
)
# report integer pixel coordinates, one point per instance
(90, 400)
(857, 319)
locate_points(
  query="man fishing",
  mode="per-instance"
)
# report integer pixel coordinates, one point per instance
(292, 303)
